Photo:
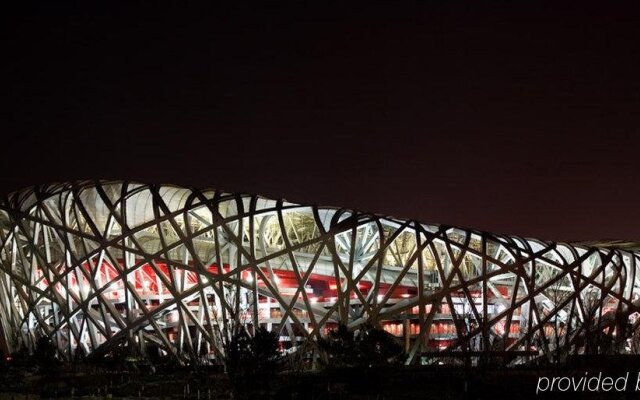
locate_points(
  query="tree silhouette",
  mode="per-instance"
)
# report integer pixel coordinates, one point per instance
(45, 354)
(378, 347)
(248, 356)
(370, 347)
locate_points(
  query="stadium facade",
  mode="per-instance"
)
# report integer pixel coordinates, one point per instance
(100, 265)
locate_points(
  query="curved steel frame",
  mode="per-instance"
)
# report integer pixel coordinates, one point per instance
(98, 264)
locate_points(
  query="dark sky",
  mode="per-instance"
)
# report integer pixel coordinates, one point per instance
(519, 119)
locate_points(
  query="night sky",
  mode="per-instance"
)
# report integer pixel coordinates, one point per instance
(518, 119)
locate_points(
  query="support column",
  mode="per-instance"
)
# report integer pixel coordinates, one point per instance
(407, 334)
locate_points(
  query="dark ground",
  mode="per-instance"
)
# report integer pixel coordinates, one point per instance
(380, 383)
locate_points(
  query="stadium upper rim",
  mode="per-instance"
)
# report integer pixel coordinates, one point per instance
(24, 199)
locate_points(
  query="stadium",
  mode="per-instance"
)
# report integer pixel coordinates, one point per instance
(104, 265)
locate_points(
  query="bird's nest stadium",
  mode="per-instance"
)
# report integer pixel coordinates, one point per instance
(100, 265)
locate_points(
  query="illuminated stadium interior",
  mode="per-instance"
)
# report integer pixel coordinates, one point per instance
(98, 265)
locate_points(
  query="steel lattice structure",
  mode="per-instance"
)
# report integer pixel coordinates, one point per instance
(99, 264)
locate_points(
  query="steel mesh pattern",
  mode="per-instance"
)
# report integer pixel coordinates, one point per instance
(100, 264)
